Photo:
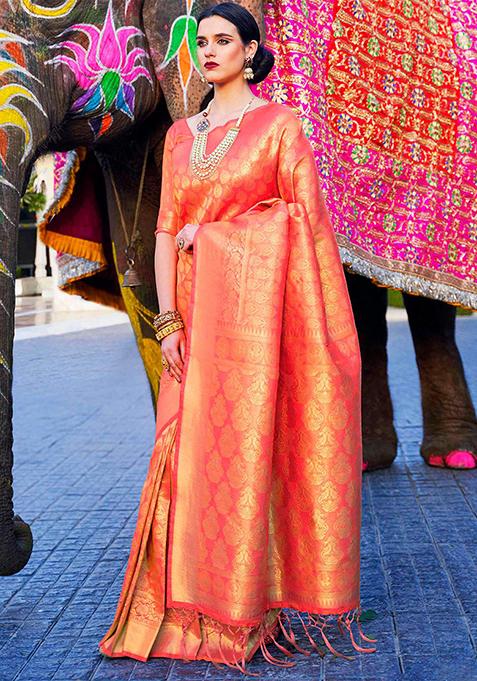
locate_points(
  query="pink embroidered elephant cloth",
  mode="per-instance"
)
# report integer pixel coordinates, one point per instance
(387, 94)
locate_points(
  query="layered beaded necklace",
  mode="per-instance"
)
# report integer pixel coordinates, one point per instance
(204, 165)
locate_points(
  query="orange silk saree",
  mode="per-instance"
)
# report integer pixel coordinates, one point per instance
(252, 501)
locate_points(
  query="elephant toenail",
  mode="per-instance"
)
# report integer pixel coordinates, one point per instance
(435, 460)
(461, 459)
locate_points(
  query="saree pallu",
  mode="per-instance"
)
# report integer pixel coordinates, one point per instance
(252, 502)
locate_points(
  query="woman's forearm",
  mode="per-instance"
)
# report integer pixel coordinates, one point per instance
(165, 271)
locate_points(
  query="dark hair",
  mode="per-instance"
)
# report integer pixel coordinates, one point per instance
(248, 30)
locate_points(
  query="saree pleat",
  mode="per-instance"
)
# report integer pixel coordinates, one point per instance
(143, 626)
(252, 501)
(141, 608)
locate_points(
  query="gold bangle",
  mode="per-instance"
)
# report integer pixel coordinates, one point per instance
(166, 320)
(169, 314)
(170, 328)
(159, 331)
(165, 317)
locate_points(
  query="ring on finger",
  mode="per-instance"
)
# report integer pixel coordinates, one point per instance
(180, 242)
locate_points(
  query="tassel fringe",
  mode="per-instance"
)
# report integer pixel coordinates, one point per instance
(316, 630)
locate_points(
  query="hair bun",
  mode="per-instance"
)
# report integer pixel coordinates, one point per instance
(262, 64)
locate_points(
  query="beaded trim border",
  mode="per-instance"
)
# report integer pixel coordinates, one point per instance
(408, 277)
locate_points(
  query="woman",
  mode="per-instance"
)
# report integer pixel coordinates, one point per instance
(252, 500)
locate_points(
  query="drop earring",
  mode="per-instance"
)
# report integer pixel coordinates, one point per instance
(248, 73)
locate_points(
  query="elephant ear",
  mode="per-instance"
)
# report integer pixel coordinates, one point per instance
(171, 36)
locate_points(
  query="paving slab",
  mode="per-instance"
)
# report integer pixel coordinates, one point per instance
(84, 429)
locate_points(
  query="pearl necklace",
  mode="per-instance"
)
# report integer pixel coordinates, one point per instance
(204, 165)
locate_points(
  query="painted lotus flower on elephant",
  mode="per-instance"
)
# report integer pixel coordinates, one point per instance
(12, 61)
(105, 70)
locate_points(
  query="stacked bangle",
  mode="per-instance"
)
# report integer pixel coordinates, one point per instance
(168, 316)
(167, 322)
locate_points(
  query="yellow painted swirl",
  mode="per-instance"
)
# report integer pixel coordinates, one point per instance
(48, 12)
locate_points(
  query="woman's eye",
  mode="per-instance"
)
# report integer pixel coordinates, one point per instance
(222, 40)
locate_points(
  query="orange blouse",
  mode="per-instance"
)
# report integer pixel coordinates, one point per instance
(261, 163)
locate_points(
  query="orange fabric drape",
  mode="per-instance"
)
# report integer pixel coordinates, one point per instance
(268, 461)
(252, 503)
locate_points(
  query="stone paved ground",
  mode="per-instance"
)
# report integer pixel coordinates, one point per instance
(84, 428)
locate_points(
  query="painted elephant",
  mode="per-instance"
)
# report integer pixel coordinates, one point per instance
(84, 75)
(110, 76)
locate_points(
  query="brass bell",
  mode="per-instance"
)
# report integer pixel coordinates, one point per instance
(131, 277)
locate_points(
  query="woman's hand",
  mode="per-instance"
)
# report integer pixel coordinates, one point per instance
(187, 233)
(173, 349)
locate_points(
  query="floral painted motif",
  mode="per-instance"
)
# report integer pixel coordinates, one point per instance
(354, 66)
(345, 123)
(62, 10)
(182, 44)
(374, 46)
(389, 83)
(372, 102)
(391, 28)
(360, 154)
(420, 43)
(285, 28)
(38, 10)
(418, 98)
(13, 65)
(12, 61)
(106, 70)
(377, 189)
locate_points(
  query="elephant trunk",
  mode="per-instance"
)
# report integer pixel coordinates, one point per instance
(15, 535)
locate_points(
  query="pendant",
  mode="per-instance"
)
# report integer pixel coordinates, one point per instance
(203, 125)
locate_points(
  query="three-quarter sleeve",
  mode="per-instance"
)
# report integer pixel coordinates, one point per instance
(168, 218)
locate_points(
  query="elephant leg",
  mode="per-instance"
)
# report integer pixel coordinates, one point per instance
(379, 436)
(450, 426)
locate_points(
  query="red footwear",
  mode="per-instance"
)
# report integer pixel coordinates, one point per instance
(458, 458)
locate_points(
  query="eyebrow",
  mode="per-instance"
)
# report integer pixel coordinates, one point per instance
(217, 35)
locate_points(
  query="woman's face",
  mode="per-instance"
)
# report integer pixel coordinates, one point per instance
(218, 41)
